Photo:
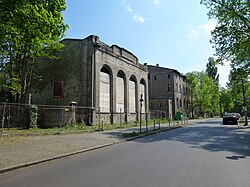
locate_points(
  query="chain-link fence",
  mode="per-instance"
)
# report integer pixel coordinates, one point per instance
(19, 115)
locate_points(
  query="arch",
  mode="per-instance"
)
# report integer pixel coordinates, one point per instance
(120, 91)
(177, 103)
(142, 92)
(105, 89)
(132, 94)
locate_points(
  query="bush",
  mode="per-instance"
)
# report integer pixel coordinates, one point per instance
(33, 113)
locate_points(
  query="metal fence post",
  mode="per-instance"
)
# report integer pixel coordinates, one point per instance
(61, 118)
(99, 114)
(3, 118)
(120, 117)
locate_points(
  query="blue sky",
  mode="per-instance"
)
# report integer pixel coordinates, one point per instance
(173, 34)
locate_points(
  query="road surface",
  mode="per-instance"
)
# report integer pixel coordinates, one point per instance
(202, 155)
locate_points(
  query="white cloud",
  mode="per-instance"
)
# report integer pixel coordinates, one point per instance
(129, 9)
(156, 2)
(193, 33)
(208, 27)
(223, 71)
(137, 18)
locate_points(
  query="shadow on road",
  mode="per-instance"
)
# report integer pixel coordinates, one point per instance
(210, 136)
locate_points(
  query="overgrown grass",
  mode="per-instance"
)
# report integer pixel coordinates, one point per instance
(80, 128)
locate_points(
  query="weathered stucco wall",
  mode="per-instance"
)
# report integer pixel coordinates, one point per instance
(97, 76)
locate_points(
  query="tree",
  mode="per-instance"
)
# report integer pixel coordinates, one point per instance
(28, 29)
(231, 37)
(238, 80)
(204, 93)
(211, 69)
(192, 80)
(226, 100)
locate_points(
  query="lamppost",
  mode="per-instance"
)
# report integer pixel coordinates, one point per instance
(141, 100)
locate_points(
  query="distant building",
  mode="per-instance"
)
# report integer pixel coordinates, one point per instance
(107, 81)
(168, 92)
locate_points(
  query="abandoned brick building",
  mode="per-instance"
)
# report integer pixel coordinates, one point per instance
(106, 82)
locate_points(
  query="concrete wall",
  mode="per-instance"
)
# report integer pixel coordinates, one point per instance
(121, 64)
(97, 76)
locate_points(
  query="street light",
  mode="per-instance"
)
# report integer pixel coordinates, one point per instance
(141, 100)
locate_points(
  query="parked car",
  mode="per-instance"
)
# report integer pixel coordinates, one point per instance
(231, 118)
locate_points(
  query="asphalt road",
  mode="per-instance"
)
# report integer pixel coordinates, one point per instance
(202, 155)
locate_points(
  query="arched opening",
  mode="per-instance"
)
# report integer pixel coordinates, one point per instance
(120, 92)
(177, 103)
(105, 89)
(142, 91)
(132, 94)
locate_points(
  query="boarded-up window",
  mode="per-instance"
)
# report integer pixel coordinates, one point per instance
(142, 92)
(119, 94)
(132, 105)
(104, 92)
(57, 89)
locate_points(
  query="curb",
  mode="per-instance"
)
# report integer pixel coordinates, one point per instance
(4, 170)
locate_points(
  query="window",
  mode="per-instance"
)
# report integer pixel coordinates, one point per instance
(169, 87)
(155, 77)
(169, 76)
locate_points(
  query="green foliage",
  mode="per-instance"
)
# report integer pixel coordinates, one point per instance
(28, 30)
(226, 99)
(204, 94)
(33, 116)
(238, 81)
(231, 37)
(193, 81)
(211, 69)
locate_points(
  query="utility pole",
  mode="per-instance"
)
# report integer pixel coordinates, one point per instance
(141, 101)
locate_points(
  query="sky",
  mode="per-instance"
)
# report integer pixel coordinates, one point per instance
(174, 34)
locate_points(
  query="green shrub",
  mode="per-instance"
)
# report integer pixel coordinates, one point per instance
(33, 112)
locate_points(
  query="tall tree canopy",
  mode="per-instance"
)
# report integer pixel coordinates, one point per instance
(204, 94)
(28, 29)
(211, 69)
(192, 79)
(231, 37)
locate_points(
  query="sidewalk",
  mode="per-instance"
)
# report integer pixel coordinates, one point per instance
(20, 151)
